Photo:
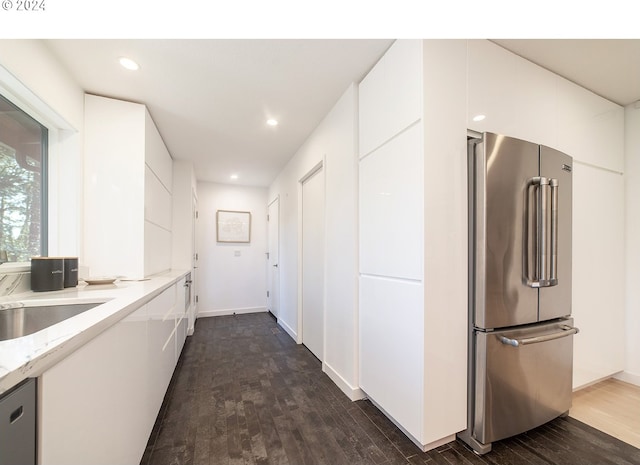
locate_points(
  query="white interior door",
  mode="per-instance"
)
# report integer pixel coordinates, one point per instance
(313, 263)
(273, 265)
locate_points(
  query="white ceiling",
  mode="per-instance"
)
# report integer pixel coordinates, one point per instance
(210, 98)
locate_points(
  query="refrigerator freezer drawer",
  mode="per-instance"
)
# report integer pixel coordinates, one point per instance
(523, 378)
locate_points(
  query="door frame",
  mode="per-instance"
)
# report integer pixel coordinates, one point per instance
(320, 165)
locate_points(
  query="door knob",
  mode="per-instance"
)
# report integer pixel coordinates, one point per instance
(276, 265)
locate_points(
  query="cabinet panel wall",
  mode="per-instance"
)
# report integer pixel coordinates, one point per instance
(391, 208)
(158, 206)
(391, 348)
(492, 89)
(518, 98)
(157, 156)
(590, 128)
(157, 242)
(391, 223)
(521, 99)
(391, 95)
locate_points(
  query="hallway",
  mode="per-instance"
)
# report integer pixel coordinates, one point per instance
(245, 393)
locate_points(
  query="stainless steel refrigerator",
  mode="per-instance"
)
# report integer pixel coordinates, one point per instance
(520, 326)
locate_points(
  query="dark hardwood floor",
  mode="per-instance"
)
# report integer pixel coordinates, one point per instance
(245, 393)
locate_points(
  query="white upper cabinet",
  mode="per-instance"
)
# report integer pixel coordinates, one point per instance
(590, 128)
(523, 100)
(516, 97)
(157, 156)
(390, 96)
(157, 197)
(492, 90)
(128, 182)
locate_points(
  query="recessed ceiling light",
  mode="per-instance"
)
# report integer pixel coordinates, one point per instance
(479, 117)
(129, 64)
(234, 177)
(272, 122)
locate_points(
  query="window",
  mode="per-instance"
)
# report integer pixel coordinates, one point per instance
(23, 187)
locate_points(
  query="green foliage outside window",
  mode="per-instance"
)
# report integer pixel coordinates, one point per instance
(23, 150)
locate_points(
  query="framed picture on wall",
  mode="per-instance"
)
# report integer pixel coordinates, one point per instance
(233, 226)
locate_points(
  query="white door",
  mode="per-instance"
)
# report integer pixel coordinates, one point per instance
(313, 263)
(273, 270)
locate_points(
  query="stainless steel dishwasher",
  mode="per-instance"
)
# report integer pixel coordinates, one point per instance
(18, 425)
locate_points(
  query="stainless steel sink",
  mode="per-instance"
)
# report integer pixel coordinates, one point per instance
(24, 320)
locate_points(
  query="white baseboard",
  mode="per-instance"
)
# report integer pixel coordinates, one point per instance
(288, 329)
(353, 393)
(627, 377)
(230, 311)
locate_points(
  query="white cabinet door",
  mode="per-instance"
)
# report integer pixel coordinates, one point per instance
(157, 156)
(181, 317)
(591, 129)
(181, 336)
(392, 208)
(391, 95)
(598, 273)
(92, 408)
(128, 185)
(392, 348)
(113, 187)
(157, 204)
(157, 249)
(161, 346)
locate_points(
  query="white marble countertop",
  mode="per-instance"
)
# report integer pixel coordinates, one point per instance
(29, 356)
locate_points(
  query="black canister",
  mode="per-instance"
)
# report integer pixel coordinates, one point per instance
(70, 271)
(47, 274)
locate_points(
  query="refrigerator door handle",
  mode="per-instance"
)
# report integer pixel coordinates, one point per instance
(539, 279)
(553, 275)
(566, 331)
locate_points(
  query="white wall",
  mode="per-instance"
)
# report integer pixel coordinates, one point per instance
(334, 140)
(632, 243)
(228, 282)
(42, 87)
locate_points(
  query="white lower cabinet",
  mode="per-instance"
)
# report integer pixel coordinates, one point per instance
(181, 336)
(99, 405)
(160, 346)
